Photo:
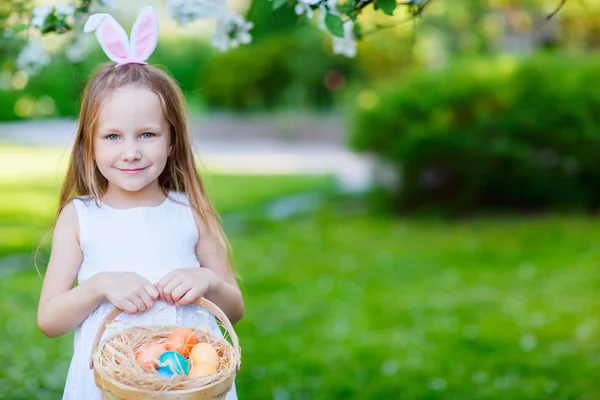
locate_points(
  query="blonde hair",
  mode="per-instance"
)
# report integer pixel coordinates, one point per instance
(180, 174)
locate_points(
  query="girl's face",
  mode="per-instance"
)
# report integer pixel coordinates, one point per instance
(132, 142)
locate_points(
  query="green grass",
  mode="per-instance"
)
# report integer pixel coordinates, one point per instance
(345, 304)
(351, 306)
(382, 308)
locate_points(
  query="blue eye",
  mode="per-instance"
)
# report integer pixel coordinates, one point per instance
(147, 135)
(112, 137)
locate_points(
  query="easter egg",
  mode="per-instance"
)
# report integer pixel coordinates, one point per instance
(164, 373)
(173, 362)
(204, 353)
(148, 355)
(182, 340)
(202, 369)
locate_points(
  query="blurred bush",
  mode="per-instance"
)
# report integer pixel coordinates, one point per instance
(268, 22)
(186, 60)
(294, 69)
(490, 133)
(56, 89)
(54, 92)
(291, 70)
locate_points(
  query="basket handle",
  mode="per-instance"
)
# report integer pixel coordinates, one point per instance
(200, 302)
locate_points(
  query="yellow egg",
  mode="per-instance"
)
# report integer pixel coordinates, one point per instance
(202, 369)
(204, 353)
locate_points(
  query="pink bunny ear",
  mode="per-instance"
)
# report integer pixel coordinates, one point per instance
(111, 36)
(144, 34)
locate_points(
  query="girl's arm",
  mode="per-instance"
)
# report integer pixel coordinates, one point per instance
(224, 291)
(214, 280)
(61, 306)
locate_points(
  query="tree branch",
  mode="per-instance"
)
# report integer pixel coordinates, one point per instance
(359, 8)
(558, 8)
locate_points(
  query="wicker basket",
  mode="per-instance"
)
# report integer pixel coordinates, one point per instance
(217, 390)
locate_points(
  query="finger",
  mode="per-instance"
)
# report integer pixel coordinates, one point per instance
(191, 296)
(164, 291)
(129, 307)
(138, 303)
(152, 291)
(160, 293)
(147, 300)
(167, 297)
(164, 281)
(172, 284)
(168, 289)
(180, 291)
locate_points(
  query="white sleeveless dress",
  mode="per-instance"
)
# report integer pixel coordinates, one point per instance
(150, 241)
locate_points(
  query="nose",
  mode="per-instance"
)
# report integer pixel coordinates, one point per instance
(131, 152)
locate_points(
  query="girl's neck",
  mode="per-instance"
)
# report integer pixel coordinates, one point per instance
(150, 196)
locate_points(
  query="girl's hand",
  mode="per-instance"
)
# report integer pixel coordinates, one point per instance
(129, 291)
(184, 286)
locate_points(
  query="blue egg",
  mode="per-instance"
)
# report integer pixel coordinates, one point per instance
(165, 373)
(173, 362)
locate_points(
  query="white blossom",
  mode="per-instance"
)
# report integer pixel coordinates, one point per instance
(328, 6)
(341, 45)
(346, 45)
(65, 10)
(310, 2)
(231, 31)
(39, 16)
(322, 15)
(185, 11)
(302, 8)
(32, 58)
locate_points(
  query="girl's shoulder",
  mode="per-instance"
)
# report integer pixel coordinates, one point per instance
(179, 197)
(84, 202)
(84, 206)
(85, 199)
(182, 201)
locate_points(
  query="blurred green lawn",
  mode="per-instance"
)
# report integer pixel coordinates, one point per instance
(342, 303)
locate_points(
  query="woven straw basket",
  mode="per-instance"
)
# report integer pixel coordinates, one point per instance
(217, 390)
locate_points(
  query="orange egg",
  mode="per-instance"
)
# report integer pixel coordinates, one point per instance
(204, 353)
(202, 369)
(148, 355)
(182, 340)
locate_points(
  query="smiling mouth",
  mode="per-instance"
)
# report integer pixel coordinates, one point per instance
(132, 171)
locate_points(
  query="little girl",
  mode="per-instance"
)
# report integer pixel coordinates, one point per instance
(134, 224)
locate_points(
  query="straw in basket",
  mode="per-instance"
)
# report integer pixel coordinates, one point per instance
(116, 385)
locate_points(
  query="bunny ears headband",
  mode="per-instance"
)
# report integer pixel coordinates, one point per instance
(115, 43)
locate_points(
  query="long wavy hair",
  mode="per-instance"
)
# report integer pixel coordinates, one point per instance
(83, 176)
